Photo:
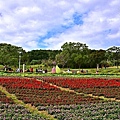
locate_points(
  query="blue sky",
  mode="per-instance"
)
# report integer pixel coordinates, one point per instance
(48, 24)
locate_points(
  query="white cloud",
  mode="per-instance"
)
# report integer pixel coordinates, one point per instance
(24, 22)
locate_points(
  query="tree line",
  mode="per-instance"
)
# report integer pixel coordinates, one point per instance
(71, 55)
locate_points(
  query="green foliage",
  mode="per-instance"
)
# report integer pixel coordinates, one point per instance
(9, 54)
(75, 53)
(114, 55)
(72, 55)
(34, 62)
(62, 58)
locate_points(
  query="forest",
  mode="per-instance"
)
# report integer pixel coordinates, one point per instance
(71, 55)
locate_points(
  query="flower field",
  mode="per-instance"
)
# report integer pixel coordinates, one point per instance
(16, 112)
(64, 98)
(4, 98)
(101, 87)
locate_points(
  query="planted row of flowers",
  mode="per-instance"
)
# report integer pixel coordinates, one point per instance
(101, 111)
(17, 82)
(4, 98)
(16, 112)
(61, 104)
(41, 93)
(96, 111)
(75, 83)
(49, 97)
(96, 86)
(109, 92)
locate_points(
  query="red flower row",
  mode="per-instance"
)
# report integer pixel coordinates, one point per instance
(75, 83)
(24, 83)
(43, 93)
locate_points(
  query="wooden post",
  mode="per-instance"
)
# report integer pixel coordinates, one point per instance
(23, 68)
(97, 66)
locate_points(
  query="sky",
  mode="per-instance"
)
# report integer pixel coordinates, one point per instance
(48, 24)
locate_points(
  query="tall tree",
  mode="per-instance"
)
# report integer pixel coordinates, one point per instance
(62, 58)
(9, 54)
(115, 54)
(75, 53)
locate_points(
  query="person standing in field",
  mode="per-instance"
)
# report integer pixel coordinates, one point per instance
(31, 69)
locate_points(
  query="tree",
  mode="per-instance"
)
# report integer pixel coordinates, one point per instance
(62, 58)
(74, 52)
(115, 54)
(9, 54)
(78, 60)
(34, 62)
(96, 56)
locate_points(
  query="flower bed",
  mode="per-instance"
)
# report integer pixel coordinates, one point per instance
(109, 92)
(96, 111)
(5, 99)
(61, 104)
(41, 93)
(96, 86)
(17, 82)
(16, 112)
(75, 83)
